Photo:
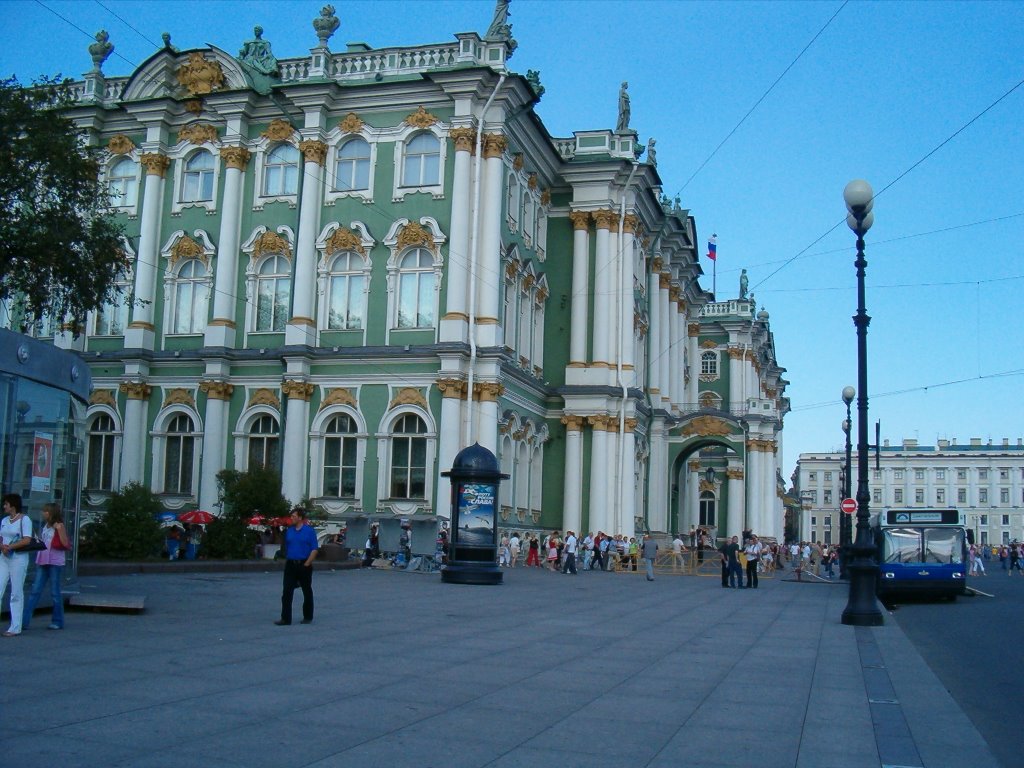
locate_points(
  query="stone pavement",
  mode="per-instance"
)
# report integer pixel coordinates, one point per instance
(400, 670)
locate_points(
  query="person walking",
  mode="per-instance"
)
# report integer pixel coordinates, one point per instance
(15, 532)
(730, 554)
(49, 567)
(513, 548)
(977, 566)
(753, 553)
(533, 556)
(1015, 554)
(649, 552)
(571, 545)
(678, 548)
(597, 550)
(302, 549)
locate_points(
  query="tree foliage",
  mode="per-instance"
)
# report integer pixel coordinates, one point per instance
(246, 494)
(128, 530)
(60, 248)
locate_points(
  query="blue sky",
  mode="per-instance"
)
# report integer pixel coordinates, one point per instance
(881, 87)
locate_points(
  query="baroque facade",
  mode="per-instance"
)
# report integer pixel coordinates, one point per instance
(350, 265)
(985, 481)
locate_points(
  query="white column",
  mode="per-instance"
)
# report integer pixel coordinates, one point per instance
(487, 394)
(624, 333)
(603, 277)
(735, 503)
(580, 288)
(133, 444)
(301, 328)
(675, 374)
(654, 333)
(627, 503)
(693, 494)
(736, 374)
(692, 336)
(449, 433)
(679, 375)
(221, 330)
(572, 517)
(218, 396)
(599, 474)
(768, 495)
(658, 481)
(489, 281)
(754, 484)
(141, 331)
(296, 439)
(664, 344)
(453, 324)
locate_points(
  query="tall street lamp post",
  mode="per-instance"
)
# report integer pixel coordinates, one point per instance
(845, 520)
(862, 607)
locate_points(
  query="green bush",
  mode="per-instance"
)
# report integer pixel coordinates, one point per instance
(230, 539)
(256, 491)
(128, 530)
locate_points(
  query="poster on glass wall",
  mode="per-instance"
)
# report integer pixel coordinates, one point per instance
(42, 461)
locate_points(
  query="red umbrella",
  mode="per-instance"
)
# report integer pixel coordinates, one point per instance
(256, 520)
(195, 516)
(284, 520)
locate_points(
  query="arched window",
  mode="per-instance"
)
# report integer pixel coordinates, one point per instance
(281, 171)
(273, 294)
(409, 458)
(100, 466)
(353, 167)
(123, 183)
(707, 509)
(191, 297)
(422, 161)
(112, 317)
(340, 451)
(264, 443)
(512, 203)
(709, 364)
(197, 181)
(178, 456)
(347, 285)
(416, 290)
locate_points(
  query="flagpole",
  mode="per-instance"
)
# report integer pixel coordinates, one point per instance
(714, 278)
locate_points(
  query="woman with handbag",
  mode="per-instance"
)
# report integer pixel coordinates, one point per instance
(15, 532)
(50, 566)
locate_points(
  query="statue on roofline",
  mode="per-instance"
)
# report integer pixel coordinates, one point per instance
(623, 121)
(500, 30)
(744, 282)
(256, 54)
(100, 50)
(326, 24)
(652, 154)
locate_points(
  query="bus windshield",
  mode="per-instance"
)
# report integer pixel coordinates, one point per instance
(943, 545)
(902, 545)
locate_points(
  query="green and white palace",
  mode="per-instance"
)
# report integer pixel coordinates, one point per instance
(350, 265)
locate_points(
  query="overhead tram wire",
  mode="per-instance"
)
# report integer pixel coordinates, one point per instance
(919, 388)
(941, 144)
(763, 97)
(128, 24)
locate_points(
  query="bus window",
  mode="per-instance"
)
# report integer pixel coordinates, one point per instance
(943, 545)
(902, 545)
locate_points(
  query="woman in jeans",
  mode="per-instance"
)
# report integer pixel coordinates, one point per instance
(50, 566)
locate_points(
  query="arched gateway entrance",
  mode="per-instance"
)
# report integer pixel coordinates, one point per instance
(707, 461)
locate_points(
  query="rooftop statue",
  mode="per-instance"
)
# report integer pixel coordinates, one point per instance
(257, 55)
(166, 37)
(743, 284)
(533, 78)
(326, 24)
(500, 29)
(100, 50)
(623, 122)
(652, 154)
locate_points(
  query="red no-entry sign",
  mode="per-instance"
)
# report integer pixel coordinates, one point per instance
(849, 506)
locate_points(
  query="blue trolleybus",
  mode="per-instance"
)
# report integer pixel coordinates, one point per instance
(921, 551)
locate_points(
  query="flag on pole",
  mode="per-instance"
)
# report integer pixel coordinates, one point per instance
(713, 247)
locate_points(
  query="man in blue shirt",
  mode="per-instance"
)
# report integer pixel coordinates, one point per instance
(301, 550)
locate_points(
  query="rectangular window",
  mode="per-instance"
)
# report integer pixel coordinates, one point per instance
(1004, 495)
(876, 495)
(1004, 474)
(877, 474)
(898, 495)
(814, 521)
(919, 474)
(1006, 519)
(983, 495)
(101, 462)
(940, 496)
(961, 495)
(919, 495)
(961, 474)
(828, 477)
(812, 477)
(983, 519)
(898, 474)
(828, 498)
(828, 521)
(940, 474)
(983, 474)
